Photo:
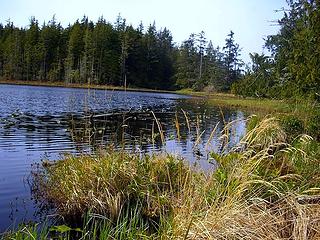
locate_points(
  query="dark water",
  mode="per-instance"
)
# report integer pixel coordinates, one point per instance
(39, 123)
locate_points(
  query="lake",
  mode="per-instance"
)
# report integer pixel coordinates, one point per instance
(43, 123)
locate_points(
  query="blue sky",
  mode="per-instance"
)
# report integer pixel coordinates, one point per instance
(251, 20)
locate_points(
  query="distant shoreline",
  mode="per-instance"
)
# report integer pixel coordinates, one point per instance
(218, 99)
(84, 86)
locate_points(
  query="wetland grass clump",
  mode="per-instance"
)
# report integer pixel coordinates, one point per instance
(111, 183)
(268, 187)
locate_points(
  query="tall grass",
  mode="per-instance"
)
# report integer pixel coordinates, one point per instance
(267, 187)
(109, 182)
(262, 191)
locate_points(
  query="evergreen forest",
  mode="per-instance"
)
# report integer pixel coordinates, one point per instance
(115, 54)
(292, 70)
(118, 54)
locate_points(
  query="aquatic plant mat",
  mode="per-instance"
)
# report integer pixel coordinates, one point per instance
(267, 187)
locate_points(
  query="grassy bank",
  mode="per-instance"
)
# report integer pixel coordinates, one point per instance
(296, 117)
(252, 104)
(266, 188)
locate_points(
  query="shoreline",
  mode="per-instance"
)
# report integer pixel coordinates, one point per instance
(83, 86)
(218, 99)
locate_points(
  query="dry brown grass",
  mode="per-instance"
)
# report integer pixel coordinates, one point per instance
(251, 197)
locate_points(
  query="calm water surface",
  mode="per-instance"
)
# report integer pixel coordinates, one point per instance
(38, 123)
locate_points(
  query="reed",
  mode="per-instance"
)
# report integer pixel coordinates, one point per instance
(177, 125)
(187, 120)
(159, 128)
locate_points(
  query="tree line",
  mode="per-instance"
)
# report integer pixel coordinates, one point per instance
(292, 70)
(116, 54)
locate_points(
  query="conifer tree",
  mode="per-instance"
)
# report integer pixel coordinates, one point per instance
(231, 60)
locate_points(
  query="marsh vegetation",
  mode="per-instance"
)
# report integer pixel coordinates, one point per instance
(266, 187)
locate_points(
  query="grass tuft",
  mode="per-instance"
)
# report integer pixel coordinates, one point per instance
(111, 182)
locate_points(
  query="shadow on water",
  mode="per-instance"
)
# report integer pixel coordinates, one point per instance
(29, 135)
